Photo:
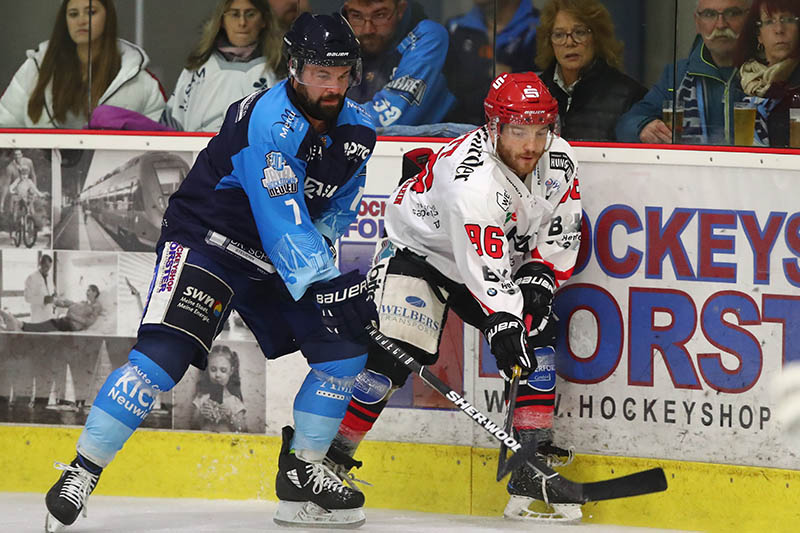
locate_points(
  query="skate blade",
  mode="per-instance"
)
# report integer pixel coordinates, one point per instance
(52, 525)
(518, 508)
(309, 514)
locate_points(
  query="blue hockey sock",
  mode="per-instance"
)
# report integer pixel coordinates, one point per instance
(122, 404)
(321, 403)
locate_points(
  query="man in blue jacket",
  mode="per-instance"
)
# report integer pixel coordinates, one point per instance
(707, 84)
(404, 55)
(250, 229)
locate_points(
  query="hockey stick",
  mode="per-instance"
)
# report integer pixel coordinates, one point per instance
(644, 482)
(512, 402)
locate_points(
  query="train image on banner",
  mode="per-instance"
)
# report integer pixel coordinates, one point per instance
(130, 201)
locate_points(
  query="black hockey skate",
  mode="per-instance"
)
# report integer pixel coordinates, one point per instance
(67, 498)
(527, 486)
(312, 495)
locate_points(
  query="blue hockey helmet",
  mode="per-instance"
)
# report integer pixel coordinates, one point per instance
(324, 40)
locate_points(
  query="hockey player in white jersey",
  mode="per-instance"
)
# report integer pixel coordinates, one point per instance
(489, 227)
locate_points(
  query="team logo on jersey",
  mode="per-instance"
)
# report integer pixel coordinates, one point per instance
(313, 188)
(504, 200)
(279, 179)
(354, 149)
(509, 287)
(424, 210)
(472, 161)
(561, 161)
(521, 243)
(288, 118)
(412, 90)
(552, 186)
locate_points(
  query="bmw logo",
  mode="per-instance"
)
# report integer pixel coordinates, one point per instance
(491, 292)
(416, 301)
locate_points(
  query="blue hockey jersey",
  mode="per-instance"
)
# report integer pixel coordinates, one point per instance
(268, 190)
(405, 85)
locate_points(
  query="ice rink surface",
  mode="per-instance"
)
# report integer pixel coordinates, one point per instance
(23, 513)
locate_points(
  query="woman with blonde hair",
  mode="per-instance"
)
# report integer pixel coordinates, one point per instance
(55, 88)
(239, 52)
(582, 59)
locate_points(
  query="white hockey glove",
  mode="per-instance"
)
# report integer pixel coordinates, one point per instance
(508, 339)
(537, 283)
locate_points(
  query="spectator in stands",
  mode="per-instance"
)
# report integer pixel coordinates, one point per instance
(581, 58)
(285, 11)
(769, 54)
(51, 88)
(707, 86)
(476, 56)
(404, 55)
(239, 52)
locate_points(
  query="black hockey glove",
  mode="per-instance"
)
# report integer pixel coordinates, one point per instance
(508, 338)
(537, 283)
(346, 306)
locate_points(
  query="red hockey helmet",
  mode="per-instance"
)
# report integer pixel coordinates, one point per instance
(520, 98)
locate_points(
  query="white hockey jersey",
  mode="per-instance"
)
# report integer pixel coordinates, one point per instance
(476, 222)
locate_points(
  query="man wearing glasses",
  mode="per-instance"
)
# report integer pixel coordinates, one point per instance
(404, 55)
(706, 84)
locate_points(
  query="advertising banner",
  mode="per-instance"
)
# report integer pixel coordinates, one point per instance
(684, 305)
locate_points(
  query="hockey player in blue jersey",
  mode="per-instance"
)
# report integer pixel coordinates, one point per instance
(250, 229)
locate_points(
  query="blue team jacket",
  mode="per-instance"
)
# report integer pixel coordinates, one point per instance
(405, 85)
(698, 73)
(268, 190)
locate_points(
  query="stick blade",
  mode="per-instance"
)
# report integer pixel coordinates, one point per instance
(506, 466)
(637, 484)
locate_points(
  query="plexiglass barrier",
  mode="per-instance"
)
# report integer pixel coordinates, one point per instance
(712, 72)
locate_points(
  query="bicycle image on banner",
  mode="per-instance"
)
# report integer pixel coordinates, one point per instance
(25, 198)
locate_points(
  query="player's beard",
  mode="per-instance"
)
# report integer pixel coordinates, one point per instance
(328, 112)
(520, 167)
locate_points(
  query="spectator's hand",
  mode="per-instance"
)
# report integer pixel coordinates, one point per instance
(656, 132)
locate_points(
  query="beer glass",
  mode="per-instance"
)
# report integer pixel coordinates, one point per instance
(673, 118)
(794, 122)
(744, 123)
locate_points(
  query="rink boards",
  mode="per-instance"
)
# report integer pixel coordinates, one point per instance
(682, 311)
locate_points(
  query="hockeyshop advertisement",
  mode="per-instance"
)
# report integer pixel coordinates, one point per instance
(684, 306)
